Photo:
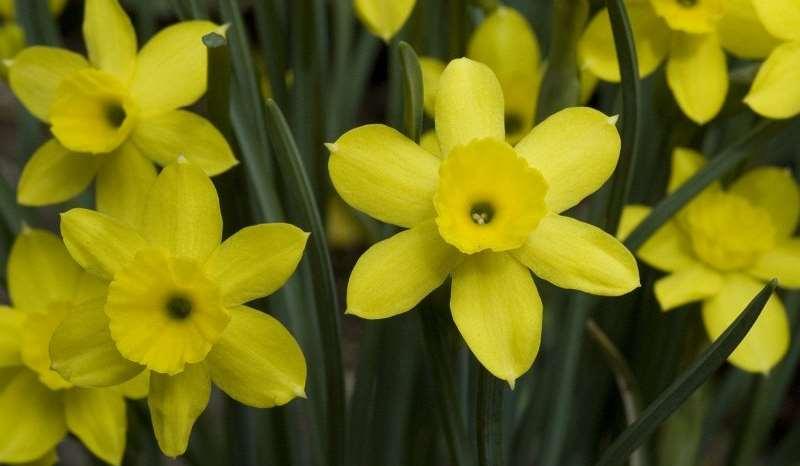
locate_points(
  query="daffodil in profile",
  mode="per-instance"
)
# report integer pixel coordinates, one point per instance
(39, 406)
(722, 248)
(485, 213)
(692, 36)
(114, 115)
(384, 19)
(176, 305)
(774, 93)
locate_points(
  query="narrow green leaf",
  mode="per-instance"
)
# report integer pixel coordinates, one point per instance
(488, 6)
(631, 112)
(457, 30)
(37, 21)
(489, 422)
(672, 398)
(11, 213)
(181, 9)
(726, 161)
(198, 9)
(292, 169)
(412, 89)
(219, 82)
(271, 32)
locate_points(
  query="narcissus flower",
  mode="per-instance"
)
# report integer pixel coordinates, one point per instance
(46, 285)
(774, 92)
(721, 249)
(384, 18)
(176, 305)
(485, 213)
(114, 114)
(691, 36)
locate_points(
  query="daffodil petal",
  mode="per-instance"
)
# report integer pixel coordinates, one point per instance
(123, 183)
(430, 142)
(163, 138)
(36, 73)
(469, 105)
(685, 163)
(29, 436)
(100, 244)
(697, 73)
(497, 309)
(780, 17)
(576, 255)
(782, 263)
(97, 417)
(182, 212)
(395, 274)
(171, 68)
(11, 321)
(432, 69)
(384, 18)
(137, 387)
(576, 150)
(110, 38)
(176, 401)
(774, 93)
(597, 52)
(245, 270)
(667, 249)
(742, 33)
(55, 174)
(82, 351)
(774, 190)
(382, 173)
(257, 361)
(765, 343)
(687, 285)
(49, 459)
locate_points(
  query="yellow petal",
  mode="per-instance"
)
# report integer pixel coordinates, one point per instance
(765, 343)
(685, 163)
(432, 69)
(37, 332)
(742, 33)
(97, 417)
(49, 459)
(182, 212)
(575, 141)
(774, 190)
(774, 93)
(11, 321)
(780, 17)
(697, 73)
(100, 244)
(176, 401)
(384, 18)
(82, 351)
(245, 270)
(589, 83)
(395, 274)
(596, 50)
(576, 255)
(497, 309)
(684, 286)
(667, 249)
(55, 174)
(110, 38)
(36, 73)
(136, 388)
(171, 68)
(123, 183)
(698, 17)
(165, 137)
(40, 271)
(40, 424)
(382, 173)
(257, 362)
(430, 142)
(782, 263)
(469, 105)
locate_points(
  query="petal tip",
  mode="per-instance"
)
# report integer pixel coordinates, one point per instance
(331, 146)
(612, 120)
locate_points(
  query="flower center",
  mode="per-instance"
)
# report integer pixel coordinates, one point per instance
(488, 197)
(115, 114)
(687, 3)
(513, 123)
(692, 16)
(179, 307)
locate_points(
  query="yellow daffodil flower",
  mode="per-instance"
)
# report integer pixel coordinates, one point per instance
(721, 249)
(176, 307)
(114, 114)
(485, 213)
(774, 92)
(384, 18)
(691, 35)
(46, 285)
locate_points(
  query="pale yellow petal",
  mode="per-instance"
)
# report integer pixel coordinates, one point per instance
(176, 401)
(498, 311)
(55, 174)
(469, 105)
(775, 190)
(137, 387)
(395, 274)
(384, 18)
(576, 150)
(768, 340)
(576, 255)
(697, 73)
(123, 183)
(257, 361)
(780, 17)
(667, 249)
(430, 142)
(11, 321)
(782, 263)
(110, 38)
(774, 93)
(685, 163)
(694, 283)
(382, 173)
(97, 417)
(742, 33)
(432, 69)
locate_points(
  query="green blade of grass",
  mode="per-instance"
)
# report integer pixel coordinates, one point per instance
(272, 42)
(38, 22)
(673, 397)
(412, 90)
(489, 422)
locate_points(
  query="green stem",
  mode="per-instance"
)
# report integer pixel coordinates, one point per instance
(38, 22)
(489, 422)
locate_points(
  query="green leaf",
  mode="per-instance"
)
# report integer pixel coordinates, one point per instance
(674, 396)
(412, 90)
(272, 40)
(38, 22)
(489, 422)
(219, 82)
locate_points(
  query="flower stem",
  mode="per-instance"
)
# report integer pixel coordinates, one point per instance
(489, 422)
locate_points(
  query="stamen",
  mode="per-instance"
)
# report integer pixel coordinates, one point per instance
(179, 307)
(481, 213)
(115, 114)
